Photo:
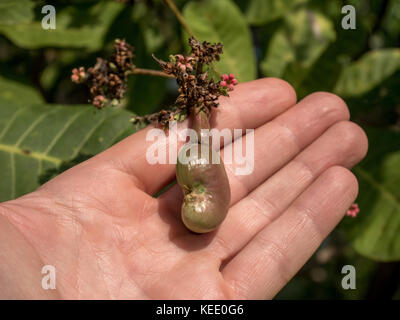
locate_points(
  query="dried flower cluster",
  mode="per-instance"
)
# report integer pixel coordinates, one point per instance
(197, 90)
(107, 79)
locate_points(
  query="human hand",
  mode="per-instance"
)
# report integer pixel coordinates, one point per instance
(107, 237)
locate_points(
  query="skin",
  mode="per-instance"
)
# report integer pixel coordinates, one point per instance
(108, 238)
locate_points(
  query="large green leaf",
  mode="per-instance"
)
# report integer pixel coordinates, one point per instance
(297, 45)
(145, 94)
(260, 12)
(376, 230)
(365, 74)
(280, 53)
(12, 11)
(16, 92)
(78, 26)
(34, 139)
(222, 21)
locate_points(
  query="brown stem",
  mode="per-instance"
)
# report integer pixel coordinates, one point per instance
(199, 68)
(151, 72)
(182, 21)
(177, 13)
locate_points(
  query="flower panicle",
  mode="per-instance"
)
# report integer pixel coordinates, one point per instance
(107, 79)
(197, 89)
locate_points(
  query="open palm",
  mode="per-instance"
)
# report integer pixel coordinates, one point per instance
(107, 237)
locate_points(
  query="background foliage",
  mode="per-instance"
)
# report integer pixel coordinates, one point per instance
(45, 126)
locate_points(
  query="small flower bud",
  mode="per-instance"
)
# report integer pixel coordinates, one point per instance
(78, 75)
(228, 82)
(99, 102)
(353, 210)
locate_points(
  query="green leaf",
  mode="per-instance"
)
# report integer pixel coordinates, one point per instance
(150, 25)
(260, 12)
(368, 72)
(78, 26)
(222, 21)
(376, 230)
(145, 94)
(297, 45)
(34, 139)
(280, 53)
(12, 12)
(12, 91)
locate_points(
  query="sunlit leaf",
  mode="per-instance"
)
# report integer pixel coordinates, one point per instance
(280, 54)
(222, 21)
(13, 12)
(297, 45)
(79, 26)
(34, 139)
(376, 230)
(260, 12)
(368, 72)
(14, 92)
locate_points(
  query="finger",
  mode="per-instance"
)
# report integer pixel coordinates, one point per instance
(277, 252)
(277, 142)
(249, 105)
(343, 144)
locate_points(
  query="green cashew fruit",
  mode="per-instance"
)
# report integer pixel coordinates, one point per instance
(201, 174)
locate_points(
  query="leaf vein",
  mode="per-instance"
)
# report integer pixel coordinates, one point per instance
(11, 121)
(88, 135)
(62, 131)
(33, 126)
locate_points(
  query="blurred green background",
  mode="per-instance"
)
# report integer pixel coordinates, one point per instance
(47, 126)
